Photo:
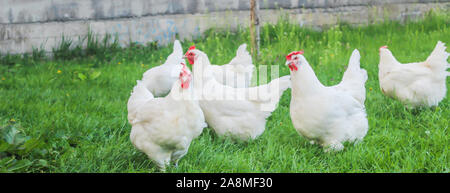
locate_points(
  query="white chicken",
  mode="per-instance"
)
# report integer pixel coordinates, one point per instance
(239, 113)
(163, 128)
(328, 115)
(159, 80)
(421, 84)
(238, 73)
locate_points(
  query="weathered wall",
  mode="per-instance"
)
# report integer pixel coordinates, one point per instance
(25, 24)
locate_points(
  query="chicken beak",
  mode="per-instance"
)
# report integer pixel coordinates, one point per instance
(291, 65)
(288, 62)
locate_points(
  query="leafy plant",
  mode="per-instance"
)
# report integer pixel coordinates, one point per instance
(16, 149)
(10, 164)
(87, 74)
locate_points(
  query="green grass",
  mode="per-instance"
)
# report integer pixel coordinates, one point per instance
(70, 112)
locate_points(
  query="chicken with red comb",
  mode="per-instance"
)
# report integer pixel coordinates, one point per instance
(164, 127)
(417, 84)
(328, 115)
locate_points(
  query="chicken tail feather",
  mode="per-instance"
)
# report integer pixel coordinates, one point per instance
(438, 58)
(139, 96)
(177, 47)
(354, 78)
(242, 57)
(354, 68)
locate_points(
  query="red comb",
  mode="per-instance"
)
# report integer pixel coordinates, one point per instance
(192, 47)
(288, 57)
(385, 47)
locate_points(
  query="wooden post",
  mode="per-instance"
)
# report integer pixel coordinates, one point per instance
(254, 23)
(257, 26)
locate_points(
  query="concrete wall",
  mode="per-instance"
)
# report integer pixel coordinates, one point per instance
(25, 24)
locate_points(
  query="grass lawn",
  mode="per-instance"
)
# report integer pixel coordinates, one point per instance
(68, 114)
